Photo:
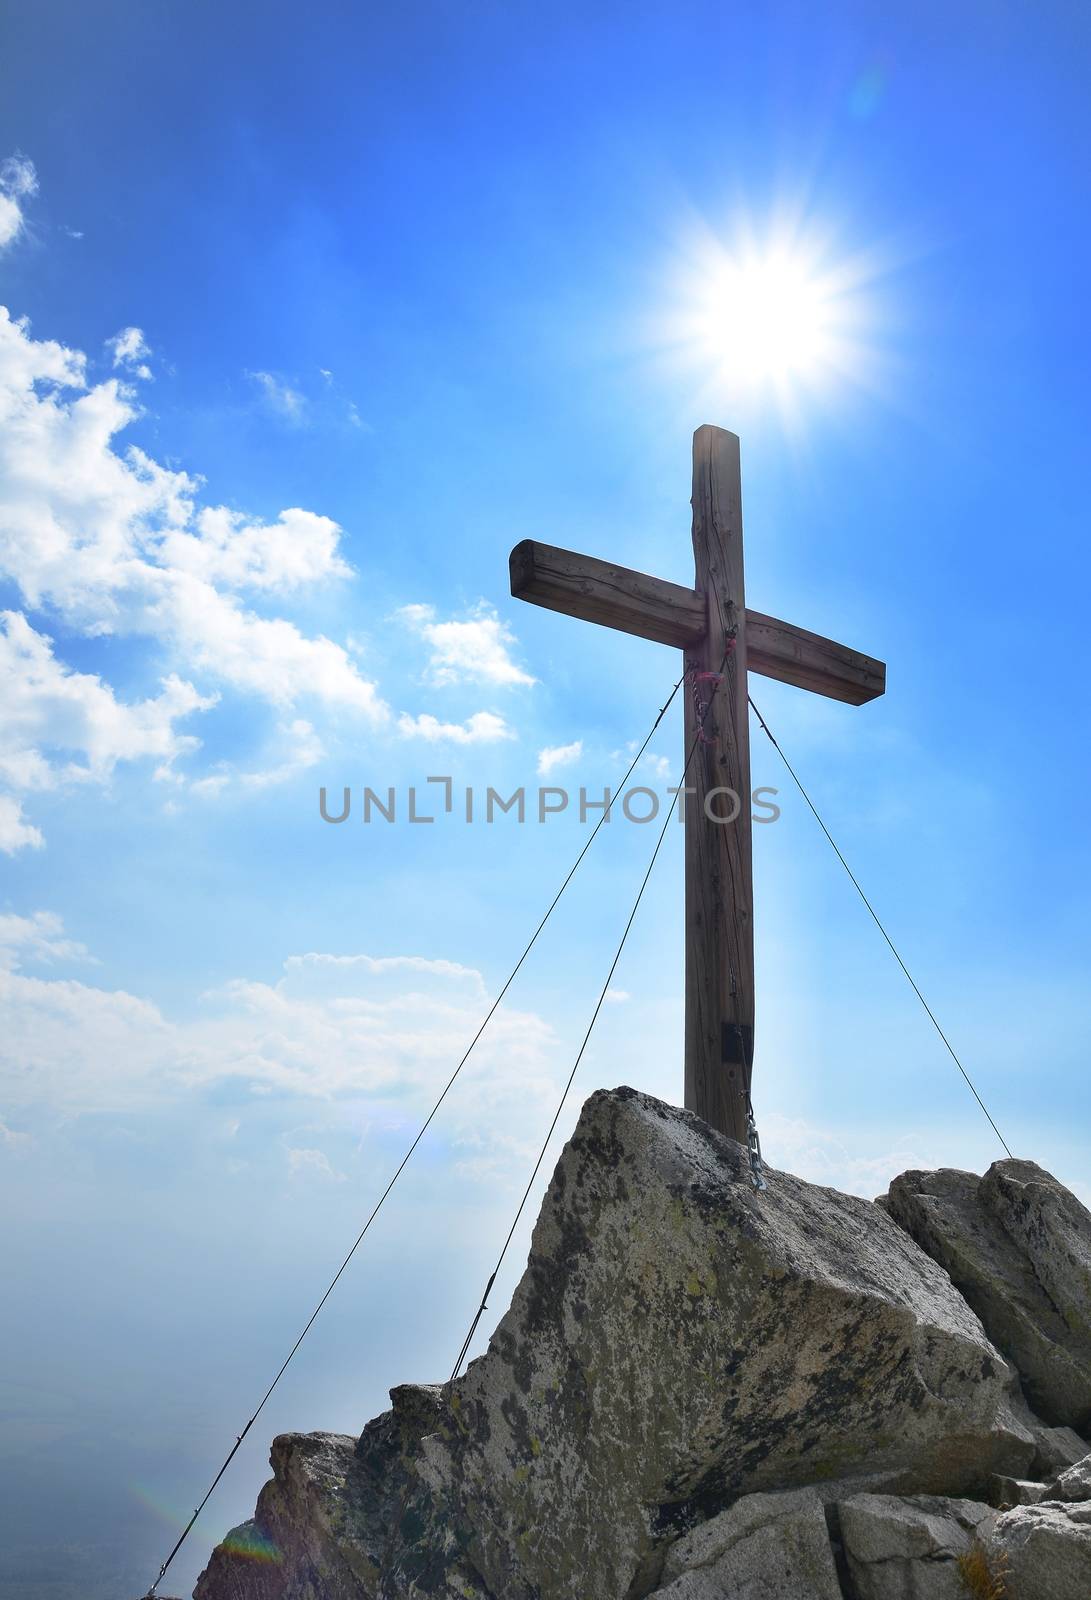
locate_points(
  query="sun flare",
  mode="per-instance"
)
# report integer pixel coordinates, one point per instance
(777, 315)
(767, 318)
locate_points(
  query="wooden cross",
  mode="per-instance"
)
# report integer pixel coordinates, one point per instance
(712, 625)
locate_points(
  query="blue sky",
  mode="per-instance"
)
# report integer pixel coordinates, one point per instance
(375, 296)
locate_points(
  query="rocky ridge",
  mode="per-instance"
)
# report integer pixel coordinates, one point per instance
(707, 1393)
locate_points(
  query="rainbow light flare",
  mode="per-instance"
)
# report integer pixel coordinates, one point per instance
(252, 1545)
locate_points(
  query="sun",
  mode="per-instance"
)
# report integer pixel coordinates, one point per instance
(774, 316)
(767, 318)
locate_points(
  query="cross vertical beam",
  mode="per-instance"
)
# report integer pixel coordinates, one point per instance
(719, 913)
(711, 624)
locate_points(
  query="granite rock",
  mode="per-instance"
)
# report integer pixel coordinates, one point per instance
(1017, 1245)
(677, 1342)
(766, 1547)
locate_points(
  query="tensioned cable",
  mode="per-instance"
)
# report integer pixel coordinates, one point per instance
(856, 885)
(420, 1134)
(568, 1084)
(875, 918)
(483, 1307)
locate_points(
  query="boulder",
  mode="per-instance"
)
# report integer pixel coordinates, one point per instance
(323, 1525)
(1053, 1229)
(1073, 1484)
(1007, 1492)
(909, 1548)
(766, 1547)
(1018, 1246)
(678, 1341)
(1055, 1449)
(1042, 1552)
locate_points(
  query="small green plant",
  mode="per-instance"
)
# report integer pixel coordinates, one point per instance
(982, 1578)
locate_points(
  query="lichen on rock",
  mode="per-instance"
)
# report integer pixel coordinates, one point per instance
(1017, 1245)
(678, 1345)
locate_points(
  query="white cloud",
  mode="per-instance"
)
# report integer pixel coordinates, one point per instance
(659, 765)
(15, 832)
(821, 1157)
(265, 656)
(18, 181)
(208, 787)
(223, 548)
(294, 748)
(484, 727)
(58, 726)
(385, 964)
(617, 997)
(381, 1033)
(113, 542)
(12, 1140)
(69, 1047)
(474, 651)
(11, 220)
(130, 350)
(280, 398)
(558, 755)
(302, 749)
(17, 175)
(503, 1158)
(36, 938)
(303, 1162)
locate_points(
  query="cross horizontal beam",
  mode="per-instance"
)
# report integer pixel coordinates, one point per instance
(599, 591)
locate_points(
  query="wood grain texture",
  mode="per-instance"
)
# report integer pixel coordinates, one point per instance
(635, 602)
(718, 867)
(793, 655)
(599, 591)
(718, 871)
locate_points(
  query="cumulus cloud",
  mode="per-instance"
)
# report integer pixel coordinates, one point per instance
(484, 727)
(18, 182)
(38, 938)
(558, 755)
(224, 548)
(130, 350)
(111, 541)
(58, 726)
(381, 1032)
(265, 656)
(476, 650)
(16, 833)
(101, 539)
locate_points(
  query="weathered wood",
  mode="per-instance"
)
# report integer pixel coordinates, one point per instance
(792, 655)
(634, 602)
(599, 591)
(718, 870)
(711, 624)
